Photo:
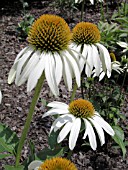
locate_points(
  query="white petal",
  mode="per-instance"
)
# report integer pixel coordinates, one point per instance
(92, 1)
(90, 132)
(22, 61)
(99, 131)
(85, 51)
(50, 74)
(74, 63)
(59, 68)
(12, 73)
(55, 112)
(122, 44)
(36, 73)
(58, 105)
(21, 53)
(89, 66)
(60, 121)
(105, 57)
(29, 67)
(64, 132)
(74, 133)
(67, 73)
(34, 164)
(96, 60)
(104, 125)
(101, 75)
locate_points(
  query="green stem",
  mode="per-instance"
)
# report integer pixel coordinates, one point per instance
(74, 92)
(82, 10)
(29, 118)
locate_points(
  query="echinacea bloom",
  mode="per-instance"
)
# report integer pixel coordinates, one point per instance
(115, 65)
(48, 52)
(0, 97)
(86, 38)
(92, 1)
(71, 118)
(56, 163)
(123, 45)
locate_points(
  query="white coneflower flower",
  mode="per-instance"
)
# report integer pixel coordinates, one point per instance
(115, 65)
(86, 37)
(71, 117)
(123, 45)
(56, 163)
(92, 1)
(48, 51)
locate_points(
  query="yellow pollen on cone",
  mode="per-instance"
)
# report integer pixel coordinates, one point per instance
(81, 108)
(85, 33)
(57, 164)
(49, 33)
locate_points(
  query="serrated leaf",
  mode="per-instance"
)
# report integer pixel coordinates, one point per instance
(8, 139)
(8, 167)
(119, 138)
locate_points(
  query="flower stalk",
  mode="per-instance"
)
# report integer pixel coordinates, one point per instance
(74, 92)
(29, 118)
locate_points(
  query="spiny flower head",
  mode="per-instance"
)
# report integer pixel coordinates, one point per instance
(81, 108)
(86, 33)
(49, 33)
(57, 164)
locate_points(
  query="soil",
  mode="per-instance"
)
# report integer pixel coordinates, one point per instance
(16, 101)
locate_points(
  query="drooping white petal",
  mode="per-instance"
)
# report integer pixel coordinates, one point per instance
(72, 59)
(60, 121)
(105, 57)
(58, 105)
(21, 62)
(92, 1)
(64, 132)
(89, 66)
(59, 68)
(50, 74)
(67, 73)
(104, 125)
(55, 112)
(101, 75)
(99, 131)
(82, 63)
(90, 132)
(12, 73)
(29, 67)
(85, 51)
(21, 53)
(96, 60)
(116, 66)
(76, 49)
(74, 133)
(122, 44)
(34, 164)
(36, 73)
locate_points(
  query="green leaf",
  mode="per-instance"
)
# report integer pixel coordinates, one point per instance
(119, 138)
(52, 139)
(8, 167)
(8, 139)
(5, 155)
(48, 153)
